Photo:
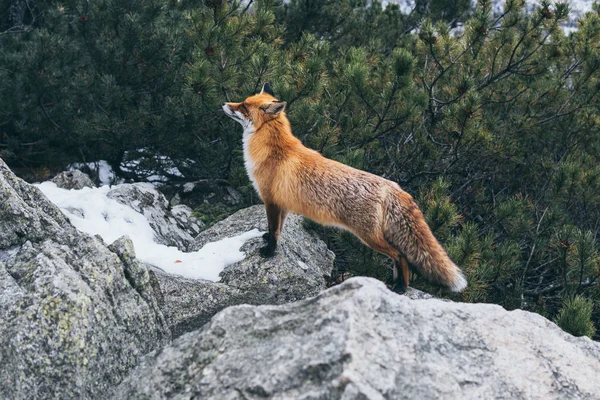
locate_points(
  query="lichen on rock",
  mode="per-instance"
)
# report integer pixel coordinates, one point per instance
(73, 324)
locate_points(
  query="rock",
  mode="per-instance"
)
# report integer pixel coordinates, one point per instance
(74, 316)
(359, 340)
(188, 187)
(100, 171)
(416, 294)
(173, 227)
(188, 304)
(175, 200)
(73, 180)
(211, 199)
(183, 217)
(206, 191)
(297, 271)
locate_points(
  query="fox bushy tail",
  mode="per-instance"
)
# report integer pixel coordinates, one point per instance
(407, 230)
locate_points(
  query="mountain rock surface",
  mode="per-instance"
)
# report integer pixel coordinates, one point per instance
(358, 340)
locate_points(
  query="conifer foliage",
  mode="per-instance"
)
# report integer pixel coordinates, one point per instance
(490, 120)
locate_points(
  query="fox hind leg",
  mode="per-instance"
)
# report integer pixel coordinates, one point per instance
(401, 275)
(400, 272)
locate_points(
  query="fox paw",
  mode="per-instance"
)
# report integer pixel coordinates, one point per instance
(398, 288)
(267, 251)
(267, 236)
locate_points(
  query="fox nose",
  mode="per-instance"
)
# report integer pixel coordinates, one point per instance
(224, 104)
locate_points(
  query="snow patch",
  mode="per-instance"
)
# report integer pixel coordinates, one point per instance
(141, 164)
(101, 168)
(92, 212)
(152, 166)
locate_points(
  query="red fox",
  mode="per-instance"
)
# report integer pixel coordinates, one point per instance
(290, 177)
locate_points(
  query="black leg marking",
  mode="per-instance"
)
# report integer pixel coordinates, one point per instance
(399, 284)
(269, 250)
(274, 219)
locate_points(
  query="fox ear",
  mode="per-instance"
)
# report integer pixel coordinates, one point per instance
(267, 89)
(274, 107)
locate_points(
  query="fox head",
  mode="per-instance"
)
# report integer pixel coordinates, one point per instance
(256, 110)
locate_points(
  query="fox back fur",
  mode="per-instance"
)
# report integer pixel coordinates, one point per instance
(291, 177)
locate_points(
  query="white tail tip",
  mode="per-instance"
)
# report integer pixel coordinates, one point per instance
(460, 283)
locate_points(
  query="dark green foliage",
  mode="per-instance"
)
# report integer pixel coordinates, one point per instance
(91, 80)
(449, 11)
(213, 213)
(494, 130)
(345, 23)
(575, 317)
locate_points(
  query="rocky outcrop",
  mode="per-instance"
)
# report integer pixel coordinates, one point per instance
(204, 193)
(73, 180)
(172, 226)
(359, 340)
(188, 304)
(75, 317)
(297, 271)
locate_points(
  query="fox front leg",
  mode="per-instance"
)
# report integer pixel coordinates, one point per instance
(282, 215)
(274, 215)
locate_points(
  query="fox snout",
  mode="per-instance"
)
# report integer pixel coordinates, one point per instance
(228, 110)
(232, 110)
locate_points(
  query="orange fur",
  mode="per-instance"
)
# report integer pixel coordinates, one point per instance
(291, 177)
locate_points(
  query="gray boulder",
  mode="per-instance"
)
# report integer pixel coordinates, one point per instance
(172, 227)
(188, 304)
(297, 271)
(359, 340)
(75, 317)
(73, 180)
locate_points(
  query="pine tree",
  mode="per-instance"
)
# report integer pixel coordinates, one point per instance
(575, 317)
(92, 80)
(493, 127)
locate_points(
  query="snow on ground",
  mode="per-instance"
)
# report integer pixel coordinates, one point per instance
(141, 163)
(90, 211)
(105, 173)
